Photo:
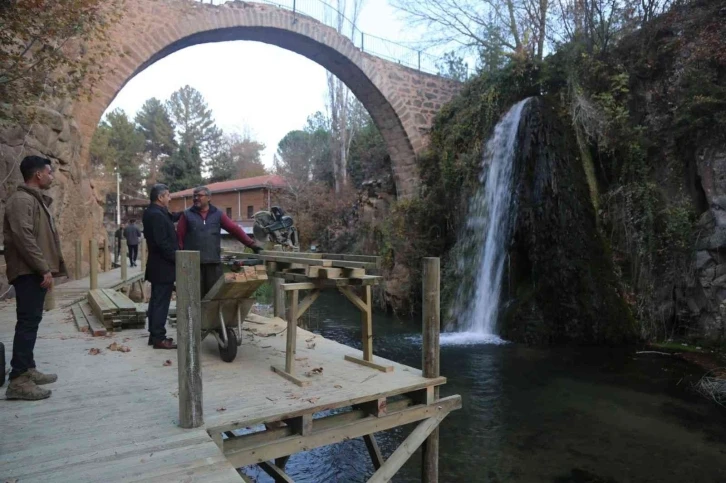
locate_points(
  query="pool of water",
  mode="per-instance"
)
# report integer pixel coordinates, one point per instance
(536, 415)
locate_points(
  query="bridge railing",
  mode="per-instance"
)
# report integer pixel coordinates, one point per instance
(377, 46)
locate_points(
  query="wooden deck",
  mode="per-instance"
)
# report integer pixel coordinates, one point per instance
(113, 416)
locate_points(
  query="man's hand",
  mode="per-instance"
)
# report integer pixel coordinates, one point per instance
(257, 248)
(47, 280)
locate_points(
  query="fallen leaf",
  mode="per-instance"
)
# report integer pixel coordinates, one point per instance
(221, 409)
(124, 348)
(311, 345)
(310, 339)
(113, 347)
(314, 372)
(167, 362)
(312, 400)
(94, 351)
(84, 329)
(293, 396)
(338, 386)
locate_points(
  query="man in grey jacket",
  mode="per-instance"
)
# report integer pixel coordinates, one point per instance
(33, 257)
(132, 235)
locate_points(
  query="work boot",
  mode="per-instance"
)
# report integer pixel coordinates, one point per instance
(165, 344)
(23, 387)
(39, 378)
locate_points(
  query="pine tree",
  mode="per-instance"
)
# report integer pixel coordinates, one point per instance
(154, 123)
(239, 157)
(194, 123)
(179, 172)
(118, 145)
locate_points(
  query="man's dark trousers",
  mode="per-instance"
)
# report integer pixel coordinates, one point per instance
(133, 253)
(30, 297)
(209, 273)
(159, 310)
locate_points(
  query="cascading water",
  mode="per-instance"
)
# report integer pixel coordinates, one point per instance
(481, 251)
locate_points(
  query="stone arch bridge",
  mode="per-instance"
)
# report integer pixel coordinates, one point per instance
(402, 101)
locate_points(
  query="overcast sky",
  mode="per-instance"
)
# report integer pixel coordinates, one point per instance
(251, 85)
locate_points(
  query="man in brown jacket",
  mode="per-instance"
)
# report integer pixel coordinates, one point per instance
(32, 256)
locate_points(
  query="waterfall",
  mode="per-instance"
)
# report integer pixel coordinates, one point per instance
(482, 248)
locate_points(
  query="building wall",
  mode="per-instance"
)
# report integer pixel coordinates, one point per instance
(237, 202)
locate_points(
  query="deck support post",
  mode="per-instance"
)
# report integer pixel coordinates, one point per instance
(106, 256)
(93, 262)
(278, 297)
(365, 305)
(189, 317)
(124, 262)
(374, 451)
(431, 360)
(79, 259)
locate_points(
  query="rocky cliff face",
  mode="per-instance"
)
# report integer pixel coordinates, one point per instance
(561, 286)
(76, 207)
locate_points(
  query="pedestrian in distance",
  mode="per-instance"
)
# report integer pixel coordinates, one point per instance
(162, 244)
(132, 235)
(33, 257)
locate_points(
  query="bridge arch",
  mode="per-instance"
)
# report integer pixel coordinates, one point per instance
(400, 100)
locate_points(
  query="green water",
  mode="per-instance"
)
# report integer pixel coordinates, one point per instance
(534, 415)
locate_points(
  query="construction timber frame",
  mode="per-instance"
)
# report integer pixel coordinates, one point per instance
(304, 428)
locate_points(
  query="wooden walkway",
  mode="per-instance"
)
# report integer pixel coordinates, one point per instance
(114, 416)
(68, 293)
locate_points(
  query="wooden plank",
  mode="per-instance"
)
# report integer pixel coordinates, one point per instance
(291, 332)
(191, 413)
(292, 259)
(341, 432)
(407, 448)
(374, 451)
(97, 328)
(80, 317)
(430, 354)
(122, 302)
(307, 302)
(302, 425)
(370, 364)
(278, 297)
(93, 262)
(351, 264)
(366, 320)
(275, 472)
(294, 287)
(290, 377)
(124, 262)
(79, 260)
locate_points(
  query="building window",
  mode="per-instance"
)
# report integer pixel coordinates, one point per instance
(250, 211)
(229, 212)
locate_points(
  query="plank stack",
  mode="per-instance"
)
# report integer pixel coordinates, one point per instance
(115, 310)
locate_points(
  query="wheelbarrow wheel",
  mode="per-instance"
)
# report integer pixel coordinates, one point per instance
(230, 352)
(2, 364)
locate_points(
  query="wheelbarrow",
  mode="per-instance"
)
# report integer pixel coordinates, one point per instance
(228, 302)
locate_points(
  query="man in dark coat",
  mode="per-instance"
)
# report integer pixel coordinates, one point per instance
(200, 229)
(132, 235)
(161, 264)
(119, 239)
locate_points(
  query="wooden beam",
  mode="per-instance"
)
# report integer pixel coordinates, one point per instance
(282, 462)
(124, 263)
(79, 259)
(371, 364)
(366, 321)
(290, 377)
(278, 297)
(307, 302)
(93, 262)
(288, 287)
(302, 425)
(143, 250)
(191, 413)
(386, 472)
(290, 346)
(106, 257)
(339, 432)
(275, 472)
(377, 407)
(374, 451)
(430, 355)
(354, 299)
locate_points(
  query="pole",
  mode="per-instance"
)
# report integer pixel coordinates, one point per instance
(362, 44)
(124, 261)
(278, 297)
(93, 262)
(189, 333)
(431, 363)
(118, 198)
(106, 255)
(79, 259)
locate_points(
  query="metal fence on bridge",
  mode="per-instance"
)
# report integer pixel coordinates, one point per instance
(330, 16)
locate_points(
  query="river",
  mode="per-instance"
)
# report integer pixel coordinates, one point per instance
(536, 415)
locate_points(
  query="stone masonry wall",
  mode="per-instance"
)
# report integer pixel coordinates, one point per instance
(76, 207)
(401, 101)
